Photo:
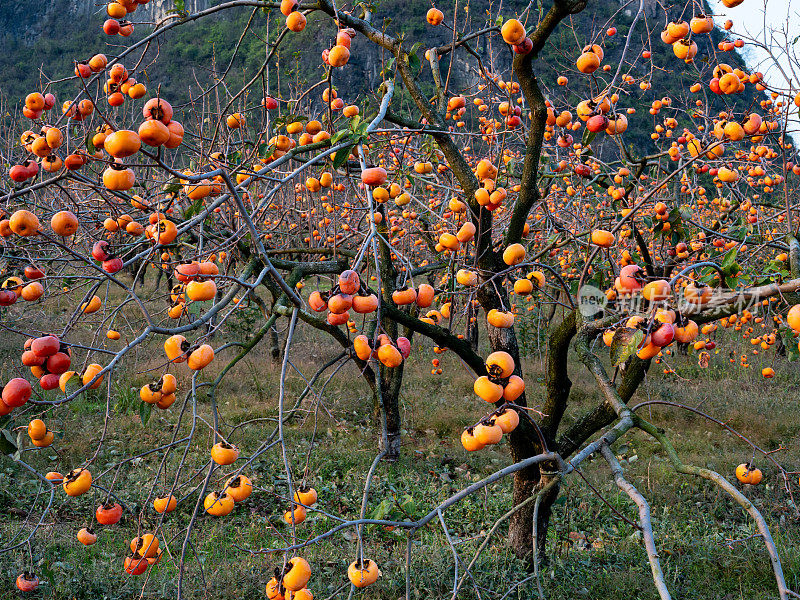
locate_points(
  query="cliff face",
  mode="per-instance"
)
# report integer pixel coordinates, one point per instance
(25, 22)
(157, 9)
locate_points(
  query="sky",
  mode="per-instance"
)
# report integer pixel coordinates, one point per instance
(780, 19)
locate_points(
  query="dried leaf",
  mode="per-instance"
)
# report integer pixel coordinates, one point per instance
(624, 343)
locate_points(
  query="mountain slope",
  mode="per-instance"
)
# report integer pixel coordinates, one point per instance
(57, 33)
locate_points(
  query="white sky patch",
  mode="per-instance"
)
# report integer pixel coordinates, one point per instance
(774, 26)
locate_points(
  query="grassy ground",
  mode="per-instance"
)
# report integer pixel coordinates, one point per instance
(592, 552)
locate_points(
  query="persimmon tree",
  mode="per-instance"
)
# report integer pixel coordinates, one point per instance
(441, 210)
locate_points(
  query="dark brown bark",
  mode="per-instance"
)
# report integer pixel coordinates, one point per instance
(387, 398)
(523, 442)
(274, 344)
(473, 331)
(556, 376)
(391, 381)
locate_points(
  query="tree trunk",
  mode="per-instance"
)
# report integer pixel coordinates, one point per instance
(388, 405)
(472, 326)
(527, 483)
(391, 380)
(274, 344)
(525, 441)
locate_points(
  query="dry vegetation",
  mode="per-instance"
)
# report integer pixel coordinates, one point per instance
(704, 539)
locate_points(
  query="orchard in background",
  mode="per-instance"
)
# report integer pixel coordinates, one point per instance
(422, 220)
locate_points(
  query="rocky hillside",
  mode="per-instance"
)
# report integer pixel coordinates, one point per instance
(27, 22)
(51, 35)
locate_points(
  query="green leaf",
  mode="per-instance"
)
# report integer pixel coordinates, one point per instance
(89, 143)
(382, 510)
(194, 208)
(624, 343)
(339, 135)
(341, 156)
(8, 443)
(730, 258)
(732, 282)
(511, 167)
(790, 343)
(144, 412)
(414, 62)
(265, 150)
(408, 506)
(172, 188)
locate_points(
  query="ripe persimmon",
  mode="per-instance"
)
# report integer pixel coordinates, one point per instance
(296, 22)
(404, 295)
(37, 429)
(77, 482)
(295, 516)
(434, 16)
(146, 545)
(24, 223)
(306, 495)
(748, 474)
(92, 371)
(117, 177)
(469, 442)
(135, 564)
(512, 31)
(365, 304)
(362, 573)
(239, 488)
(223, 453)
(373, 176)
(176, 347)
(165, 504)
(33, 291)
(487, 389)
(86, 536)
(514, 254)
(49, 437)
(122, 143)
(349, 282)
(500, 364)
(108, 514)
(158, 109)
(16, 392)
(296, 574)
(153, 133)
(514, 388)
(27, 582)
(200, 291)
(507, 419)
(487, 432)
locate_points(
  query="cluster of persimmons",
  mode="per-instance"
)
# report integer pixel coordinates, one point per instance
(602, 221)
